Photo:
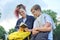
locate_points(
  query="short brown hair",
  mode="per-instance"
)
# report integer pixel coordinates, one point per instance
(36, 7)
(21, 6)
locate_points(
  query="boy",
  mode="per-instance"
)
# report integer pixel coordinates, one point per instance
(43, 25)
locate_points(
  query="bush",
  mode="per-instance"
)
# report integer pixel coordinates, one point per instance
(57, 33)
(2, 33)
(12, 30)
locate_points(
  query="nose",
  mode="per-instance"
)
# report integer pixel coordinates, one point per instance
(34, 13)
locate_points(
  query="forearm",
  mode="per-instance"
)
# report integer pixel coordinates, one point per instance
(44, 29)
(30, 30)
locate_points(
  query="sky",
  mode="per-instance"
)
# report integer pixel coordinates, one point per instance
(7, 7)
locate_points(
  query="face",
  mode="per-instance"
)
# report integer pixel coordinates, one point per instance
(22, 12)
(36, 13)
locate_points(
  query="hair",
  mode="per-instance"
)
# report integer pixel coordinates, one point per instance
(17, 9)
(21, 6)
(36, 7)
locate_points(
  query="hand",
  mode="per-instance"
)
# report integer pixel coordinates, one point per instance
(26, 29)
(34, 32)
(29, 30)
(36, 29)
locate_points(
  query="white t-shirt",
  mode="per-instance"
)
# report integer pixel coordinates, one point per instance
(24, 20)
(41, 20)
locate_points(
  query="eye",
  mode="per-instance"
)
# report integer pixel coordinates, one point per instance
(22, 11)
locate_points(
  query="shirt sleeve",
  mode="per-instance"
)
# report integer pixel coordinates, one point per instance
(50, 20)
(17, 25)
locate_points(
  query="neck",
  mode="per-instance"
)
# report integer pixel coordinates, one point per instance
(39, 14)
(24, 16)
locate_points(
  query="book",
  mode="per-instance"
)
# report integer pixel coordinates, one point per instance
(23, 25)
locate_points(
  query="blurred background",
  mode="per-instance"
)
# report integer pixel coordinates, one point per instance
(8, 19)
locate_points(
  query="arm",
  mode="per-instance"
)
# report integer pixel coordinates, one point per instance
(31, 23)
(46, 27)
(17, 25)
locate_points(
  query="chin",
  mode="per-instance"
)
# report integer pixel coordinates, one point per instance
(35, 16)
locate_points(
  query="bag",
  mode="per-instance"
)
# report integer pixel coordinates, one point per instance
(18, 35)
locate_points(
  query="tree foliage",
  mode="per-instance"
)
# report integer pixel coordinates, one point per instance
(2, 31)
(12, 30)
(57, 33)
(52, 14)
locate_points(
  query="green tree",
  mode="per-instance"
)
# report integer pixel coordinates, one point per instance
(2, 32)
(12, 30)
(57, 30)
(57, 33)
(52, 14)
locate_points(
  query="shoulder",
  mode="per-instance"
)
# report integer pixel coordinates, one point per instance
(44, 14)
(31, 17)
(19, 19)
